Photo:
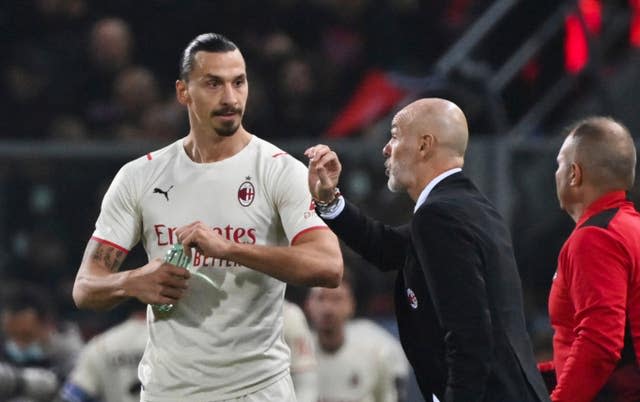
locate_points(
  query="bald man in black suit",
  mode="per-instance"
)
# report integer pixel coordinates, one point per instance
(458, 292)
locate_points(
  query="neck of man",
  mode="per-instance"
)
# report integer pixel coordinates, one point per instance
(331, 340)
(211, 147)
(429, 171)
(589, 196)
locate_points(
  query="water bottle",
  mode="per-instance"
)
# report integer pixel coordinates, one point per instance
(175, 256)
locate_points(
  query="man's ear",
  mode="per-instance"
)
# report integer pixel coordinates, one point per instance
(181, 92)
(425, 143)
(575, 175)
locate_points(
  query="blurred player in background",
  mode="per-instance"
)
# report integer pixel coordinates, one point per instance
(357, 360)
(107, 368)
(303, 361)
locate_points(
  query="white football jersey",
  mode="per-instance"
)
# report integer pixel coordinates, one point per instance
(364, 369)
(298, 337)
(223, 339)
(398, 362)
(107, 368)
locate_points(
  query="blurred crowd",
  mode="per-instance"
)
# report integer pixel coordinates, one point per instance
(82, 69)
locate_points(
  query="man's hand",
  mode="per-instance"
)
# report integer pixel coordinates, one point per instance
(204, 239)
(157, 283)
(324, 172)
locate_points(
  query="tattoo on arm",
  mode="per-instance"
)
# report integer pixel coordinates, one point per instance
(117, 261)
(108, 256)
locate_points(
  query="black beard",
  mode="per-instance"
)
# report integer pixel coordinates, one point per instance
(227, 130)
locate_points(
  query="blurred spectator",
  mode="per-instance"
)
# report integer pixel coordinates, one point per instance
(31, 336)
(297, 95)
(135, 91)
(27, 384)
(26, 82)
(164, 122)
(110, 52)
(42, 46)
(111, 45)
(67, 127)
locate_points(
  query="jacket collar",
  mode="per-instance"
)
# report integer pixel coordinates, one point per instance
(427, 190)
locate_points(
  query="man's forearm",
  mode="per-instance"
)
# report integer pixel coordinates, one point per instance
(99, 292)
(305, 264)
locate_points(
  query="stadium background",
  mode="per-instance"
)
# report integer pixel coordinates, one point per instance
(88, 85)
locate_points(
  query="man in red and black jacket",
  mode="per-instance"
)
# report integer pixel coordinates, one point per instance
(594, 302)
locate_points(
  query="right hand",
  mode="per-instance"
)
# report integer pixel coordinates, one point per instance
(157, 282)
(204, 239)
(324, 172)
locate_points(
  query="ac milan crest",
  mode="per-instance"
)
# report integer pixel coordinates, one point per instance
(413, 300)
(246, 193)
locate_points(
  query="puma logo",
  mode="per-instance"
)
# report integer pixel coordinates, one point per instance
(161, 191)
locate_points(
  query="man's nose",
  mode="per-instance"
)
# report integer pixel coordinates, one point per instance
(228, 95)
(386, 150)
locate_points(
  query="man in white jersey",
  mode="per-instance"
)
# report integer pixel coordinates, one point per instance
(107, 367)
(298, 337)
(243, 205)
(358, 361)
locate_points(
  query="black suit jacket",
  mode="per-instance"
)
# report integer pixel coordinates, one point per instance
(458, 295)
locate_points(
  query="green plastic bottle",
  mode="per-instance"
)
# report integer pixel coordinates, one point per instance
(177, 257)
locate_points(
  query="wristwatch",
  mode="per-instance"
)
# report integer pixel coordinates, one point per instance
(324, 208)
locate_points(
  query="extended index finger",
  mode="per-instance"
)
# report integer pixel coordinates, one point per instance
(324, 158)
(316, 151)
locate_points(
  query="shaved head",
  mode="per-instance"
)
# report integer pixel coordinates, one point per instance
(438, 117)
(428, 138)
(606, 151)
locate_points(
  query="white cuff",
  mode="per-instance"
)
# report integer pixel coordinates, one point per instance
(336, 211)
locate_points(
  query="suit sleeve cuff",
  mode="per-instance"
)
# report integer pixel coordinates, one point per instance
(337, 210)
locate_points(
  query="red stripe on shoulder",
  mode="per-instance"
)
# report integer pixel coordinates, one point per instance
(149, 157)
(297, 236)
(108, 243)
(279, 154)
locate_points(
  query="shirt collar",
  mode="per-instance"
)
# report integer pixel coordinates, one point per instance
(425, 193)
(609, 200)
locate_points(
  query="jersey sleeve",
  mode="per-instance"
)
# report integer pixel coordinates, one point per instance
(293, 199)
(119, 222)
